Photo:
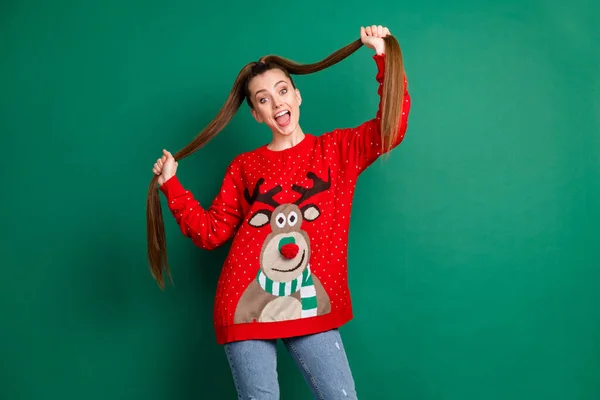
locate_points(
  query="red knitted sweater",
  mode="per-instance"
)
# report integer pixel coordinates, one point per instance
(288, 213)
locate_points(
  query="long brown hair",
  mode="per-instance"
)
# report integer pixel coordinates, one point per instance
(392, 102)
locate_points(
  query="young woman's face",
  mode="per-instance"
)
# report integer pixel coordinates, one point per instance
(276, 102)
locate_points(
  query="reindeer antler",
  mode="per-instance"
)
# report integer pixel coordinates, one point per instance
(266, 198)
(319, 185)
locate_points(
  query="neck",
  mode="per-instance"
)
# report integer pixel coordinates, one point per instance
(282, 142)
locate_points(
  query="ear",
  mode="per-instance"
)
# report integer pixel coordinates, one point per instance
(310, 212)
(257, 116)
(260, 219)
(298, 97)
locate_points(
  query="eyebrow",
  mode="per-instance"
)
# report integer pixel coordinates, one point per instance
(262, 90)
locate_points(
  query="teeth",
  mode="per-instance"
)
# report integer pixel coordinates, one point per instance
(279, 114)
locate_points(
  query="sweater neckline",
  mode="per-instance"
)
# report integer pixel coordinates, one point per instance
(297, 149)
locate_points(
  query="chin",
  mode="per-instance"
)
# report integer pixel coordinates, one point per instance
(287, 130)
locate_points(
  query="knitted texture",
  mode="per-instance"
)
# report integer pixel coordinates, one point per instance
(287, 215)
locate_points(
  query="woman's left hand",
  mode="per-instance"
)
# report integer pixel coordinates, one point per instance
(372, 37)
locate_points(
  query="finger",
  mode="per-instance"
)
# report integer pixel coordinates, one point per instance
(368, 30)
(362, 31)
(380, 30)
(386, 31)
(374, 30)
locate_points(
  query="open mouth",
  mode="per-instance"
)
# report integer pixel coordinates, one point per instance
(296, 267)
(283, 118)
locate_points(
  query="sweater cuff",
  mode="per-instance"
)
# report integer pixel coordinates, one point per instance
(380, 61)
(172, 188)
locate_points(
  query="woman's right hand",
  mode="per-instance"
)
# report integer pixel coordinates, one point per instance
(165, 167)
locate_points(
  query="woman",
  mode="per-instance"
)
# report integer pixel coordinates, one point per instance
(287, 207)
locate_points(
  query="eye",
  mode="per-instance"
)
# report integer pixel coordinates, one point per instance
(292, 218)
(280, 220)
(283, 91)
(262, 101)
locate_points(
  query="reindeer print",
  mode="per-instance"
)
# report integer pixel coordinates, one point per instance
(284, 288)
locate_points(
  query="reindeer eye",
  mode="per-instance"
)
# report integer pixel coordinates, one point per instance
(280, 220)
(292, 218)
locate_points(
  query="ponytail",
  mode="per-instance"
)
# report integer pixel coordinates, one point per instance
(392, 98)
(393, 93)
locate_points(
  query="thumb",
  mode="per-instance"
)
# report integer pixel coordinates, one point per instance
(167, 153)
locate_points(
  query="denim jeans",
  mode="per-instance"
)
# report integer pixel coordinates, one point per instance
(320, 357)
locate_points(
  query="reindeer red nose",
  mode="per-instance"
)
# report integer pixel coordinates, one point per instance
(288, 247)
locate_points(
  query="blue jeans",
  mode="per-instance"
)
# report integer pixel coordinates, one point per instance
(320, 357)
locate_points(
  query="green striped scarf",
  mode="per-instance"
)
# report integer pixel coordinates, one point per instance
(304, 283)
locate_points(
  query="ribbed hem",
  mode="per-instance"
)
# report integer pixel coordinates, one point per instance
(283, 329)
(299, 149)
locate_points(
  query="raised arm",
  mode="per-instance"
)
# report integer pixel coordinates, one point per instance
(360, 146)
(211, 227)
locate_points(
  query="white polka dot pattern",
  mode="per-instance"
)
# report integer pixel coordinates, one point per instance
(345, 153)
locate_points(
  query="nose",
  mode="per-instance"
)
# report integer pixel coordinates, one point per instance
(288, 247)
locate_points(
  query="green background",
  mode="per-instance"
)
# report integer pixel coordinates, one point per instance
(474, 250)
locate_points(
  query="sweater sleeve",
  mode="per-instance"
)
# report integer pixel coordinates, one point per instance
(212, 227)
(361, 146)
